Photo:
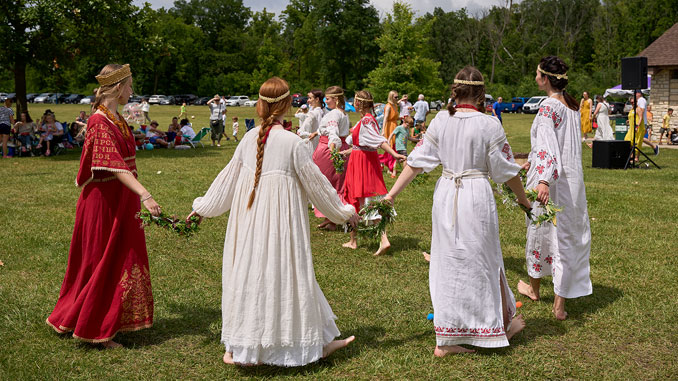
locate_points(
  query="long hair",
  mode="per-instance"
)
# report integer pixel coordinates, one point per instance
(366, 105)
(268, 112)
(107, 91)
(476, 93)
(392, 97)
(555, 65)
(341, 99)
(319, 95)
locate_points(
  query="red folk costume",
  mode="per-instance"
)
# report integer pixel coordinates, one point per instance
(363, 173)
(107, 286)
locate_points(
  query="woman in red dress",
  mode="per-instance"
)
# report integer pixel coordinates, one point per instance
(107, 286)
(364, 180)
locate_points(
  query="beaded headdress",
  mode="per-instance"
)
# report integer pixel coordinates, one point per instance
(115, 76)
(558, 76)
(472, 83)
(273, 100)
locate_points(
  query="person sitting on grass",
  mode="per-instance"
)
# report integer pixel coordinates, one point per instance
(47, 130)
(25, 128)
(173, 130)
(186, 132)
(155, 136)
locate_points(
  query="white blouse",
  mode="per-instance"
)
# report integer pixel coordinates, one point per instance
(335, 125)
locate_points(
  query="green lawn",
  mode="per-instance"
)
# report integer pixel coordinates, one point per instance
(625, 330)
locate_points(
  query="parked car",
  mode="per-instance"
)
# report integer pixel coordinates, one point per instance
(73, 98)
(56, 98)
(617, 108)
(188, 98)
(42, 98)
(489, 101)
(168, 100)
(435, 105)
(30, 97)
(135, 98)
(201, 101)
(237, 100)
(251, 103)
(517, 104)
(155, 99)
(532, 104)
(87, 100)
(3, 96)
(299, 100)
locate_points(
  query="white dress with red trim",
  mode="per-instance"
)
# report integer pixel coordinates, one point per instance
(466, 273)
(562, 250)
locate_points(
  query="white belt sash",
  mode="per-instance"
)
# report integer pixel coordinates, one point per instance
(457, 177)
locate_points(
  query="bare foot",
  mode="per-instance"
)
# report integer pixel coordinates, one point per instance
(323, 224)
(427, 256)
(526, 289)
(517, 325)
(111, 344)
(560, 315)
(445, 350)
(382, 249)
(335, 345)
(329, 226)
(350, 245)
(228, 358)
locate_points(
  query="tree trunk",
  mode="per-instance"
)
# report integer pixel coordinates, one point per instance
(20, 87)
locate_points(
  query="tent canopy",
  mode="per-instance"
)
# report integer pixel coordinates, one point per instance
(618, 92)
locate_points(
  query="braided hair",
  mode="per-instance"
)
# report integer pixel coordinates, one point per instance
(472, 92)
(268, 112)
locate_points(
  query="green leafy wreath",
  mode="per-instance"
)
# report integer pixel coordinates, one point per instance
(338, 161)
(173, 223)
(374, 231)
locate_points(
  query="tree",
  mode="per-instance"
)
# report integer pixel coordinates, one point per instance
(403, 65)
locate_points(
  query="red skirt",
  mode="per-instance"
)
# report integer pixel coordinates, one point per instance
(363, 178)
(107, 286)
(322, 158)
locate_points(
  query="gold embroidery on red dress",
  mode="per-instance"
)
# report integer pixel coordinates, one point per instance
(137, 298)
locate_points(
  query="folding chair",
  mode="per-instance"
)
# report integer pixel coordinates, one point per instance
(198, 137)
(249, 124)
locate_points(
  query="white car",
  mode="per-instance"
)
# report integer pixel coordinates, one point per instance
(42, 98)
(157, 99)
(532, 104)
(250, 103)
(238, 100)
(87, 100)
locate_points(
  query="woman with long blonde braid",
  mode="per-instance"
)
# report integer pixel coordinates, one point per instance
(273, 310)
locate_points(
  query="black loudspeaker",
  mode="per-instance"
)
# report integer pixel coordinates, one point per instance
(634, 73)
(610, 153)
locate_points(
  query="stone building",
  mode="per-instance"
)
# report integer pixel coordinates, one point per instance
(662, 62)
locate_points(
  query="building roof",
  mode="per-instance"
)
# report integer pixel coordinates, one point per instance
(664, 50)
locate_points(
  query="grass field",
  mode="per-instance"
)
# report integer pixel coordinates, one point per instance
(625, 330)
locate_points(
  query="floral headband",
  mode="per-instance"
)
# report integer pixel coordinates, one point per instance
(273, 100)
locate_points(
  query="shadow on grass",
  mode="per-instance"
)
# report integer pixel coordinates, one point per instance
(398, 243)
(194, 320)
(74, 154)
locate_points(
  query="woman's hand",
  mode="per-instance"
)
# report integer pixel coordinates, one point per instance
(194, 213)
(389, 199)
(543, 193)
(313, 135)
(353, 221)
(345, 152)
(400, 157)
(526, 166)
(152, 207)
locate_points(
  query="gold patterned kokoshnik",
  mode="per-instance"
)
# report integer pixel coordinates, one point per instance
(114, 76)
(559, 76)
(273, 100)
(471, 83)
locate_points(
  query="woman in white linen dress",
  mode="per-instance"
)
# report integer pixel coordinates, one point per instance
(602, 115)
(555, 170)
(472, 302)
(313, 118)
(273, 310)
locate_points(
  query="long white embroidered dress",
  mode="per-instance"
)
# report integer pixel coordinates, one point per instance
(604, 130)
(272, 307)
(562, 250)
(310, 124)
(466, 272)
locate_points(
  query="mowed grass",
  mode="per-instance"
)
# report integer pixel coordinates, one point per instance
(625, 330)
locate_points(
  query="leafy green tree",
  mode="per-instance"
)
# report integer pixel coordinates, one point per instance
(403, 65)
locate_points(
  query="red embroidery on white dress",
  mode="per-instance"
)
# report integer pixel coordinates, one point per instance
(537, 267)
(507, 150)
(549, 260)
(542, 155)
(555, 174)
(536, 254)
(469, 332)
(548, 112)
(540, 169)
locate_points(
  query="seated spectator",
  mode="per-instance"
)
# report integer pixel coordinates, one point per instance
(47, 129)
(140, 136)
(187, 131)
(173, 129)
(155, 136)
(25, 129)
(79, 127)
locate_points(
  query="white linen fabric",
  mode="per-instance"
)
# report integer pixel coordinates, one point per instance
(311, 124)
(604, 130)
(562, 250)
(301, 116)
(272, 307)
(369, 135)
(466, 272)
(335, 125)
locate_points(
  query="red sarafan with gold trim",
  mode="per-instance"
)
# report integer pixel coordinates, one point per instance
(107, 286)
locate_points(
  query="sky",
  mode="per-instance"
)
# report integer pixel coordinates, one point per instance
(383, 6)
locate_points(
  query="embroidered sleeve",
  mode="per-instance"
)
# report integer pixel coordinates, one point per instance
(369, 133)
(425, 154)
(500, 162)
(104, 150)
(545, 155)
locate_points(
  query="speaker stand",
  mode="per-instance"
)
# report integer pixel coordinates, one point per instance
(632, 157)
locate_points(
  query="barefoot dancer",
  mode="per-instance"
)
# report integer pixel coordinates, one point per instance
(333, 130)
(107, 287)
(471, 299)
(364, 180)
(272, 307)
(555, 170)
